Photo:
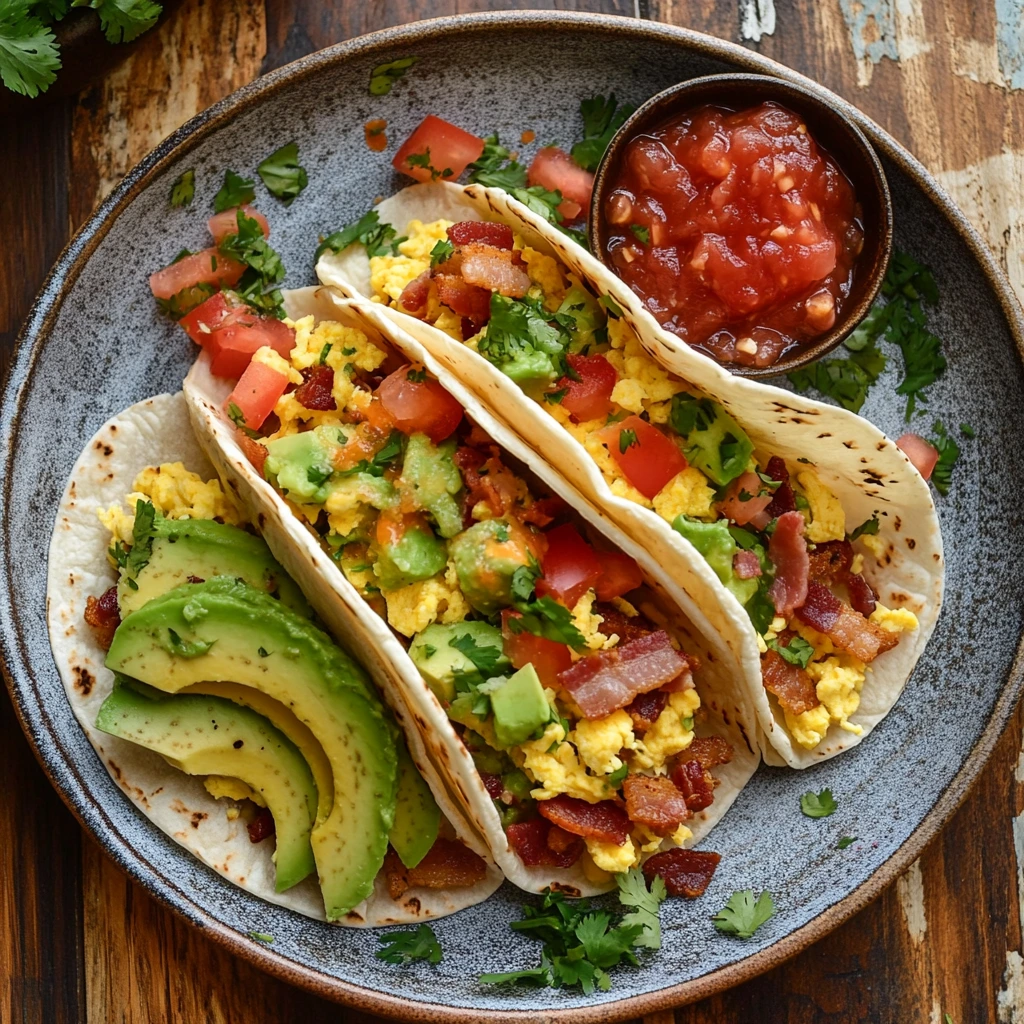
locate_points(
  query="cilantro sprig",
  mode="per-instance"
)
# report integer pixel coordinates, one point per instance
(743, 915)
(264, 268)
(282, 173)
(547, 618)
(184, 188)
(602, 118)
(818, 805)
(379, 239)
(236, 191)
(406, 946)
(949, 455)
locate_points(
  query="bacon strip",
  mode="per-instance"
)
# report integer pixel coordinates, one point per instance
(462, 298)
(655, 801)
(710, 751)
(415, 295)
(783, 500)
(752, 509)
(103, 616)
(468, 231)
(606, 820)
(493, 269)
(261, 827)
(447, 865)
(603, 682)
(537, 842)
(787, 551)
(790, 683)
(862, 594)
(626, 627)
(696, 785)
(847, 629)
(746, 565)
(685, 872)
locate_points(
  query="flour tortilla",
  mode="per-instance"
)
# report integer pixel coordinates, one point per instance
(152, 432)
(730, 713)
(861, 466)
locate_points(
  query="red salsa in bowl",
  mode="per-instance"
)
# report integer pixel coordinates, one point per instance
(737, 228)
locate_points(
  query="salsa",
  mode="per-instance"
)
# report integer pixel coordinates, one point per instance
(737, 230)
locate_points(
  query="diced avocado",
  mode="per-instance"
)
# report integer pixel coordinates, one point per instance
(715, 443)
(461, 710)
(364, 487)
(517, 784)
(300, 464)
(520, 707)
(204, 735)
(202, 548)
(431, 474)
(485, 557)
(530, 366)
(226, 631)
(716, 544)
(441, 664)
(416, 555)
(586, 314)
(417, 816)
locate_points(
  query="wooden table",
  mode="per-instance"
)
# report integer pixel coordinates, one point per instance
(78, 942)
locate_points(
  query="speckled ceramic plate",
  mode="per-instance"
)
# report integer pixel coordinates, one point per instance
(94, 344)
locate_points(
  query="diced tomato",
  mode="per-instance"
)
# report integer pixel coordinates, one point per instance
(921, 453)
(590, 397)
(223, 224)
(235, 342)
(256, 393)
(648, 457)
(255, 452)
(546, 656)
(215, 312)
(570, 566)
(619, 575)
(555, 170)
(422, 407)
(209, 266)
(447, 149)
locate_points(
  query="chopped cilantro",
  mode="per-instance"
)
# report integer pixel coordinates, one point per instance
(260, 936)
(184, 188)
(486, 658)
(403, 947)
(384, 76)
(429, 650)
(263, 652)
(379, 239)
(238, 418)
(641, 234)
(442, 251)
(423, 160)
(282, 173)
(742, 916)
(549, 619)
(602, 118)
(264, 268)
(380, 461)
(627, 439)
(324, 353)
(348, 351)
(501, 533)
(967, 430)
(818, 805)
(846, 841)
(523, 331)
(236, 191)
(187, 648)
(869, 527)
(949, 454)
(187, 299)
(143, 532)
(555, 397)
(798, 652)
(524, 579)
(614, 309)
(615, 777)
(416, 376)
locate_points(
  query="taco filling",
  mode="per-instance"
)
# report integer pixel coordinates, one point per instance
(774, 534)
(545, 648)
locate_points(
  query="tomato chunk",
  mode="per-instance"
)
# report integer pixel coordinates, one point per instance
(419, 406)
(235, 342)
(443, 150)
(590, 397)
(546, 656)
(256, 393)
(226, 223)
(647, 457)
(217, 311)
(555, 170)
(209, 266)
(921, 453)
(570, 566)
(619, 575)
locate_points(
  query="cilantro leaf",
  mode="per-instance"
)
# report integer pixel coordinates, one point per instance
(486, 658)
(949, 454)
(641, 234)
(384, 76)
(627, 439)
(379, 239)
(602, 118)
(123, 20)
(524, 579)
(184, 188)
(869, 527)
(490, 170)
(845, 380)
(968, 431)
(282, 173)
(143, 532)
(443, 250)
(423, 160)
(741, 916)
(633, 892)
(186, 648)
(265, 269)
(521, 333)
(818, 805)
(549, 619)
(29, 54)
(236, 191)
(797, 652)
(846, 841)
(406, 946)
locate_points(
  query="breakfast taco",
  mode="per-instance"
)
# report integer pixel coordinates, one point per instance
(803, 534)
(586, 713)
(221, 708)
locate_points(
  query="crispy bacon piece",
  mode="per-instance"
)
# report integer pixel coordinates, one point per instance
(627, 627)
(862, 594)
(255, 452)
(603, 682)
(656, 802)
(830, 561)
(462, 298)
(261, 827)
(468, 231)
(746, 565)
(315, 391)
(544, 511)
(710, 751)
(530, 841)
(695, 783)
(470, 327)
(493, 785)
(606, 820)
(847, 629)
(487, 480)
(787, 551)
(561, 841)
(783, 500)
(685, 872)
(488, 267)
(415, 295)
(750, 509)
(103, 616)
(790, 683)
(646, 708)
(447, 865)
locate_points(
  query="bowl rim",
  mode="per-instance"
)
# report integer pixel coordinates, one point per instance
(664, 104)
(64, 774)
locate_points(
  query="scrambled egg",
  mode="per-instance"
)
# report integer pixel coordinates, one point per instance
(599, 741)
(346, 507)
(589, 622)
(643, 382)
(688, 493)
(874, 544)
(670, 734)
(234, 789)
(390, 274)
(895, 620)
(544, 272)
(177, 493)
(411, 609)
(558, 769)
(827, 518)
(611, 857)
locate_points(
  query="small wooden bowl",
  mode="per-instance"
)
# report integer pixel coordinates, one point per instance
(832, 129)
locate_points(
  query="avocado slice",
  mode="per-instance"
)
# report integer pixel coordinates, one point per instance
(520, 707)
(441, 664)
(429, 471)
(202, 548)
(226, 631)
(417, 816)
(203, 735)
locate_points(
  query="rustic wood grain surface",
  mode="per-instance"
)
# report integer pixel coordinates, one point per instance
(78, 942)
